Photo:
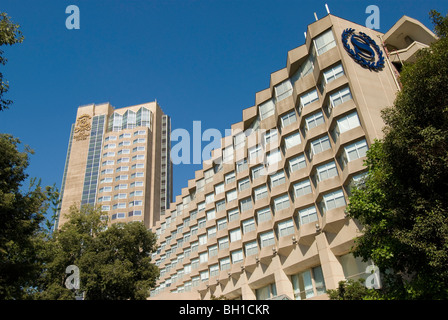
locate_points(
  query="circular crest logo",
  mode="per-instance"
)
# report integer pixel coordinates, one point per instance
(365, 51)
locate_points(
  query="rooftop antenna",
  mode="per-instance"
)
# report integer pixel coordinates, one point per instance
(326, 7)
(315, 16)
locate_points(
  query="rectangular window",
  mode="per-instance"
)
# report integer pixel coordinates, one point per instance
(320, 145)
(346, 123)
(266, 292)
(241, 165)
(235, 235)
(303, 283)
(314, 120)
(333, 200)
(260, 193)
(277, 179)
(223, 243)
(220, 205)
(292, 140)
(219, 188)
(270, 136)
(257, 172)
(222, 224)
(213, 250)
(239, 140)
(307, 215)
(273, 157)
(285, 228)
(230, 177)
(248, 225)
(283, 90)
(264, 214)
(267, 239)
(340, 96)
(227, 156)
(237, 256)
(302, 188)
(233, 215)
(243, 184)
(297, 163)
(266, 109)
(246, 204)
(209, 198)
(255, 154)
(324, 42)
(251, 248)
(308, 98)
(211, 215)
(356, 150)
(231, 195)
(224, 263)
(326, 171)
(333, 73)
(281, 202)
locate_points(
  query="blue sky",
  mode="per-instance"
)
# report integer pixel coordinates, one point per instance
(203, 60)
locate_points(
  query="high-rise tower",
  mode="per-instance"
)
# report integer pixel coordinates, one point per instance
(119, 159)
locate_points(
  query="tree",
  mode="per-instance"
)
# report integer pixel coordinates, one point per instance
(21, 213)
(9, 35)
(114, 261)
(353, 290)
(403, 202)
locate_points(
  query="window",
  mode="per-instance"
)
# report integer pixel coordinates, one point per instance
(308, 98)
(211, 215)
(267, 109)
(241, 165)
(248, 225)
(200, 185)
(201, 206)
(267, 239)
(233, 214)
(270, 136)
(221, 205)
(333, 200)
(292, 140)
(230, 177)
(213, 250)
(208, 176)
(231, 195)
(297, 163)
(283, 90)
(235, 235)
(355, 151)
(255, 154)
(219, 188)
(281, 202)
(324, 42)
(307, 215)
(326, 171)
(302, 188)
(277, 179)
(224, 263)
(243, 184)
(264, 214)
(223, 243)
(221, 223)
(273, 157)
(209, 198)
(237, 255)
(202, 239)
(285, 228)
(303, 283)
(228, 155)
(257, 172)
(333, 73)
(239, 140)
(204, 275)
(201, 223)
(340, 96)
(251, 248)
(246, 204)
(346, 123)
(320, 145)
(314, 120)
(260, 193)
(288, 119)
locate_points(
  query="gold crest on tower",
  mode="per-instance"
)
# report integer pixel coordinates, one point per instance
(82, 127)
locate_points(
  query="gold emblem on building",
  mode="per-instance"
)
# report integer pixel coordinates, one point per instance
(82, 127)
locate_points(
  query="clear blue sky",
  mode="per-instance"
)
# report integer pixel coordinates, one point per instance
(202, 60)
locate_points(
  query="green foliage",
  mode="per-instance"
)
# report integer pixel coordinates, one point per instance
(114, 261)
(21, 213)
(403, 204)
(9, 35)
(353, 290)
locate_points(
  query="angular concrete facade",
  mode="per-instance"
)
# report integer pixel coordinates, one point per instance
(265, 216)
(119, 159)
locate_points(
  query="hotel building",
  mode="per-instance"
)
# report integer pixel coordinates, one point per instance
(119, 159)
(265, 217)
